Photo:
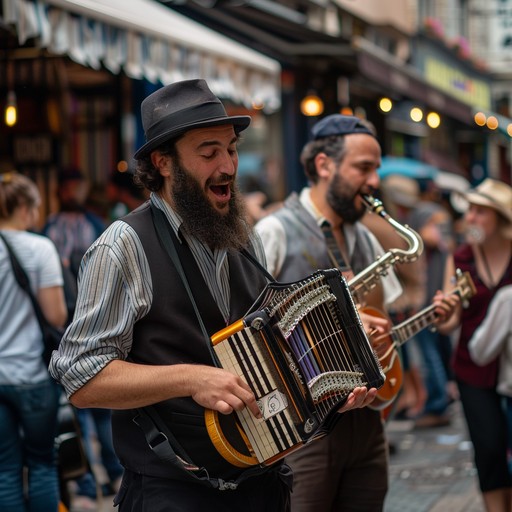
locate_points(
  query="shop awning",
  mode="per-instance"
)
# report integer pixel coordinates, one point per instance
(146, 40)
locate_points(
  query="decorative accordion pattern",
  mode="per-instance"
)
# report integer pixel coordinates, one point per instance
(302, 349)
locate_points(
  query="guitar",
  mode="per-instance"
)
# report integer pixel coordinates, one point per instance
(386, 345)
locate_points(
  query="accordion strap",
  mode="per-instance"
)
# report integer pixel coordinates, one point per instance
(159, 437)
(258, 265)
(162, 229)
(165, 446)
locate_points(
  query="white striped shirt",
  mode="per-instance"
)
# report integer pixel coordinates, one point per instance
(115, 290)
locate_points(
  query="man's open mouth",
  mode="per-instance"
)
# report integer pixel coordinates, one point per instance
(221, 191)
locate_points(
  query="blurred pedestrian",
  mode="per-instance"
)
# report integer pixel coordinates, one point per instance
(400, 194)
(433, 223)
(29, 397)
(493, 339)
(73, 229)
(487, 256)
(123, 194)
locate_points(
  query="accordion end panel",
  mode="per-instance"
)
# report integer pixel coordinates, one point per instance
(250, 441)
(302, 349)
(223, 446)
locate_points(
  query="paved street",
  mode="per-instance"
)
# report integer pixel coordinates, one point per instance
(432, 469)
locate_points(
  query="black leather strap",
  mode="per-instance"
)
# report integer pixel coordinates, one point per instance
(158, 435)
(162, 229)
(24, 282)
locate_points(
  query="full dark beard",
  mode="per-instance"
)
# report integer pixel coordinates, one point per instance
(340, 198)
(202, 220)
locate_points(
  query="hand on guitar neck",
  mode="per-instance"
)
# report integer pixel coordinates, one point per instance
(374, 322)
(385, 344)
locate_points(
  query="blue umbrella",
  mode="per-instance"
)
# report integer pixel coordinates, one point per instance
(406, 167)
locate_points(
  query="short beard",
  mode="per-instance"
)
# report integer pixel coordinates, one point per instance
(340, 198)
(202, 220)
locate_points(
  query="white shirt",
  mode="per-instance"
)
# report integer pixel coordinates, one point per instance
(21, 341)
(493, 338)
(273, 236)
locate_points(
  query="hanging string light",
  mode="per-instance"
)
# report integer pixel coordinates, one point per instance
(11, 109)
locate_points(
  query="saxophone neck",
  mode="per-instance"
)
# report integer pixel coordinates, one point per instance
(365, 280)
(413, 239)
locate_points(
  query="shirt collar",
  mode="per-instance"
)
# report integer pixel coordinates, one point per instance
(349, 230)
(307, 203)
(172, 217)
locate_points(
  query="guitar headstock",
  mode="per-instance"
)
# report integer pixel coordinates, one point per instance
(464, 286)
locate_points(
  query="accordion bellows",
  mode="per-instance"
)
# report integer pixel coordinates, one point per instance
(302, 349)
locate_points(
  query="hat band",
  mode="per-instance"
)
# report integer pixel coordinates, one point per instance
(190, 115)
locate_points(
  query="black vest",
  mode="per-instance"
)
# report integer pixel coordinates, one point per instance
(306, 250)
(170, 334)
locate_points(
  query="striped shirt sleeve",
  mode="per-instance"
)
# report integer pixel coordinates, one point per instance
(115, 290)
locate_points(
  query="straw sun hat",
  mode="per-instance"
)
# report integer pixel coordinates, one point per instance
(496, 195)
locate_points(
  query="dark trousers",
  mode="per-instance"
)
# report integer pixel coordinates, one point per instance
(268, 492)
(487, 426)
(346, 470)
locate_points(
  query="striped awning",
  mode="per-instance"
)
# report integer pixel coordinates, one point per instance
(145, 39)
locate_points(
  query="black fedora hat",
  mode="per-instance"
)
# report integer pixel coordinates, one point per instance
(179, 107)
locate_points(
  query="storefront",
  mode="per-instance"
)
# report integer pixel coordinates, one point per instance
(78, 69)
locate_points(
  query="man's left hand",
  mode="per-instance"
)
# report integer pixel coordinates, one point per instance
(360, 397)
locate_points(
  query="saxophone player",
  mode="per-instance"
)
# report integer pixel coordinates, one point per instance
(321, 228)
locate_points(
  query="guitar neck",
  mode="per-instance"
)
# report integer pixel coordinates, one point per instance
(408, 328)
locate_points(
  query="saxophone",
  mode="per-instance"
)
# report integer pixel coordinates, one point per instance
(367, 279)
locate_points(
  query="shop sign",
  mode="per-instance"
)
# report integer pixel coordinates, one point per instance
(458, 84)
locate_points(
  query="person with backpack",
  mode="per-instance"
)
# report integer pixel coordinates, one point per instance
(29, 397)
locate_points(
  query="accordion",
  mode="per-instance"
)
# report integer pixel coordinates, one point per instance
(302, 349)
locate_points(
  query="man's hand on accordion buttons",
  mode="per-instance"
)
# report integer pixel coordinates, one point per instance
(360, 397)
(222, 391)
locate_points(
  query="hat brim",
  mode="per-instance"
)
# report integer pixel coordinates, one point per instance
(474, 197)
(239, 123)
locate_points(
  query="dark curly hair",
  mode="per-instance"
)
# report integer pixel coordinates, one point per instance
(146, 174)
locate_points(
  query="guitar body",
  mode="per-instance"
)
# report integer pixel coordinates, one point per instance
(386, 345)
(389, 359)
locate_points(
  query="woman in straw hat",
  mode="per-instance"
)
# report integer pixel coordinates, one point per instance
(487, 256)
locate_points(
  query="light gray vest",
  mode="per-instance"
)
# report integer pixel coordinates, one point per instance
(306, 249)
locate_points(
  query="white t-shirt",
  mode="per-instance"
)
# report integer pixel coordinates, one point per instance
(21, 344)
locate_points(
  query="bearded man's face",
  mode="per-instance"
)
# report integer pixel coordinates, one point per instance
(226, 229)
(341, 196)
